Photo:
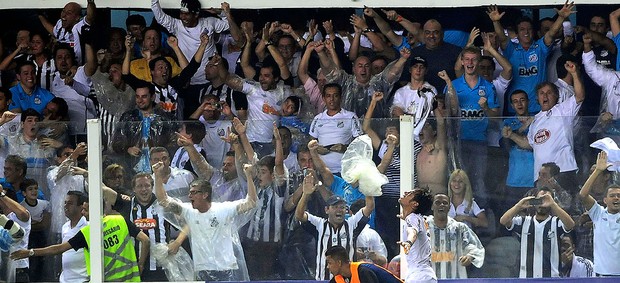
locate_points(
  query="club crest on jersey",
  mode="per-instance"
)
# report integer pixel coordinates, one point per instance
(532, 58)
(604, 53)
(542, 136)
(214, 222)
(340, 124)
(220, 132)
(482, 93)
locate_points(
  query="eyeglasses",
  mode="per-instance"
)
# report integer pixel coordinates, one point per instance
(191, 193)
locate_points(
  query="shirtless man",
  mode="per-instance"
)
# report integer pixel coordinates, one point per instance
(432, 161)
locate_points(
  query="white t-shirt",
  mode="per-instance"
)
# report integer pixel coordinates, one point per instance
(413, 103)
(369, 240)
(214, 146)
(211, 235)
(551, 136)
(263, 110)
(73, 263)
(80, 106)
(565, 90)
(419, 256)
(460, 210)
(606, 240)
(21, 244)
(341, 128)
(36, 212)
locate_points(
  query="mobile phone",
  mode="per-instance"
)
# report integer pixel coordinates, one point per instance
(306, 171)
(536, 201)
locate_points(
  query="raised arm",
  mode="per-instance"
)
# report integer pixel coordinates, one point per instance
(383, 26)
(161, 17)
(584, 194)
(580, 93)
(243, 138)
(451, 98)
(203, 169)
(173, 42)
(374, 137)
(563, 13)
(49, 27)
(488, 48)
(9, 205)
(327, 64)
(125, 68)
(308, 188)
(8, 60)
(392, 142)
(268, 31)
(252, 197)
(233, 27)
(614, 23)
(354, 50)
(396, 69)
(288, 29)
(279, 160)
(248, 32)
(378, 44)
(411, 27)
(90, 67)
(302, 70)
(495, 17)
(370, 206)
(523, 203)
(285, 73)
(91, 12)
(319, 165)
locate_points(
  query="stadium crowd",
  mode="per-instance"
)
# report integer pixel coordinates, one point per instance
(223, 138)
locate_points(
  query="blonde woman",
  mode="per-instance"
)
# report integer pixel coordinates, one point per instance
(463, 207)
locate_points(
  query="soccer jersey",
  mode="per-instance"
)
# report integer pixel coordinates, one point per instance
(213, 140)
(474, 121)
(419, 256)
(521, 160)
(529, 69)
(329, 236)
(263, 110)
(414, 103)
(540, 245)
(340, 128)
(551, 136)
(71, 37)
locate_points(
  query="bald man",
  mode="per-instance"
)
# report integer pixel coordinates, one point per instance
(443, 54)
(69, 27)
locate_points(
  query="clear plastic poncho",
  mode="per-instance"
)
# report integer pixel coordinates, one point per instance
(357, 166)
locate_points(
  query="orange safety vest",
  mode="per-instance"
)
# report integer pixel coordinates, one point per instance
(355, 278)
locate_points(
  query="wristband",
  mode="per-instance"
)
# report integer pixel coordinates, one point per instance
(410, 243)
(399, 19)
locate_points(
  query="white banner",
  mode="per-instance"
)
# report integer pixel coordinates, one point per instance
(266, 4)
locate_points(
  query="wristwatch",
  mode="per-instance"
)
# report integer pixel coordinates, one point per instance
(366, 30)
(30, 252)
(2, 194)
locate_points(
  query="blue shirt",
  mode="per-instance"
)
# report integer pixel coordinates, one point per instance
(521, 161)
(529, 68)
(349, 194)
(20, 194)
(474, 123)
(39, 98)
(616, 40)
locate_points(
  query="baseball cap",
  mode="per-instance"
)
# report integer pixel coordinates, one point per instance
(418, 60)
(335, 199)
(191, 6)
